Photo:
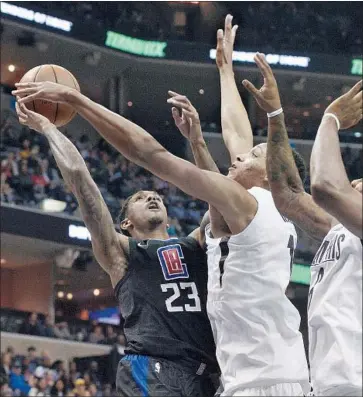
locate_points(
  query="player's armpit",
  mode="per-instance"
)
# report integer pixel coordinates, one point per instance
(109, 247)
(344, 204)
(306, 214)
(199, 233)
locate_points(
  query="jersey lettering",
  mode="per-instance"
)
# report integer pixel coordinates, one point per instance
(170, 258)
(329, 250)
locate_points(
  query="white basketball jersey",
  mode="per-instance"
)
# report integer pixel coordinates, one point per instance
(335, 315)
(255, 326)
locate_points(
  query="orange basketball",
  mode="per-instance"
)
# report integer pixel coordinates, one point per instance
(57, 113)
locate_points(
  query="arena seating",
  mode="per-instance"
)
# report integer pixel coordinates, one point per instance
(37, 373)
(290, 26)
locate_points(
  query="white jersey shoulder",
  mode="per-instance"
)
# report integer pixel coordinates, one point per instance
(256, 327)
(335, 314)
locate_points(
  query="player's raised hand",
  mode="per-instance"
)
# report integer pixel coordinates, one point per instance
(185, 116)
(267, 97)
(225, 43)
(46, 90)
(348, 107)
(33, 120)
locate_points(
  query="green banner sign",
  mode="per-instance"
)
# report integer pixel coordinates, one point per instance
(131, 45)
(356, 67)
(300, 274)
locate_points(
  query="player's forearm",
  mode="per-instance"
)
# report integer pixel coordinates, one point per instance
(128, 138)
(76, 175)
(283, 176)
(236, 128)
(328, 175)
(202, 157)
(67, 157)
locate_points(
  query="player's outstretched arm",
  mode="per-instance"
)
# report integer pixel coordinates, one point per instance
(108, 246)
(284, 179)
(141, 148)
(330, 185)
(187, 120)
(236, 127)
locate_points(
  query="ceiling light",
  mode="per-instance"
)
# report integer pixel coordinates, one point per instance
(96, 292)
(3, 261)
(11, 68)
(69, 296)
(201, 91)
(60, 294)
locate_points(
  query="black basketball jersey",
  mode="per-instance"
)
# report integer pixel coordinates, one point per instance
(163, 299)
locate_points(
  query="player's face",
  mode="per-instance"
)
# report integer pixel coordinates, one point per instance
(357, 184)
(147, 208)
(249, 169)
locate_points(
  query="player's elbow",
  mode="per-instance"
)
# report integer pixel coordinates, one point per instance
(322, 190)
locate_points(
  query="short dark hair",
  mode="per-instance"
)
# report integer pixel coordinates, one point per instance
(300, 164)
(123, 213)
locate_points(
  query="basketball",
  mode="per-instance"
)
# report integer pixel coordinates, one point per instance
(57, 113)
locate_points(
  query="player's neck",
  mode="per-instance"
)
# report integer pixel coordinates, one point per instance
(157, 234)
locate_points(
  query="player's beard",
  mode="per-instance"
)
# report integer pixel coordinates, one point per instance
(155, 221)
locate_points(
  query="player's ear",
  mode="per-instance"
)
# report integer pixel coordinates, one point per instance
(265, 182)
(125, 224)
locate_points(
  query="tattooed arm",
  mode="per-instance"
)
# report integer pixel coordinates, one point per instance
(109, 247)
(285, 183)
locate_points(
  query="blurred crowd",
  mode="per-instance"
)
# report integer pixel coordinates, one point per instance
(29, 175)
(289, 26)
(37, 374)
(94, 333)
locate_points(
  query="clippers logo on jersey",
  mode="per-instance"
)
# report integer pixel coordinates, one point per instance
(170, 258)
(329, 250)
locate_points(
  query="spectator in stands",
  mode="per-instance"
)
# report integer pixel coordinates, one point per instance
(34, 157)
(80, 388)
(45, 359)
(10, 165)
(31, 326)
(5, 390)
(174, 227)
(5, 364)
(107, 390)
(6, 192)
(41, 388)
(17, 380)
(61, 331)
(25, 186)
(94, 392)
(111, 336)
(32, 382)
(97, 335)
(25, 152)
(94, 373)
(31, 359)
(74, 374)
(48, 328)
(58, 390)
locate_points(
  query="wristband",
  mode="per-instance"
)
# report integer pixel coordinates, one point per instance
(275, 113)
(334, 117)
